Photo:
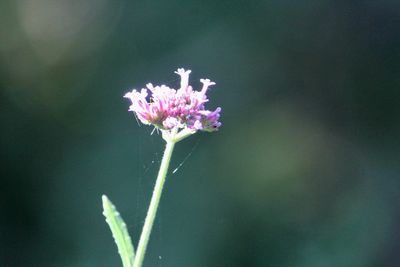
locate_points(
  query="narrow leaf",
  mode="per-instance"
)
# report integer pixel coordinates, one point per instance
(119, 232)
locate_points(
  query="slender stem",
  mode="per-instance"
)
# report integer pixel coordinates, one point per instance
(155, 199)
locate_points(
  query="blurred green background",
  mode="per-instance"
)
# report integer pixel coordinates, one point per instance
(303, 172)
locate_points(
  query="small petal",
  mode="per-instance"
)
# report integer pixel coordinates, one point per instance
(170, 123)
(184, 77)
(150, 86)
(206, 83)
(197, 125)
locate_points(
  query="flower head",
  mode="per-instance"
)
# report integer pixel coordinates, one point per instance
(175, 109)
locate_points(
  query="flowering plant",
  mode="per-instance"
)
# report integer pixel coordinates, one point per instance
(177, 114)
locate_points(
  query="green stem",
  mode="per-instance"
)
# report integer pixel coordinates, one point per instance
(155, 199)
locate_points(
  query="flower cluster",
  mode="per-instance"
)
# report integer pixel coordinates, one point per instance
(171, 109)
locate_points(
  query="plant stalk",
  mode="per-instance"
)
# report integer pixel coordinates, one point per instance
(155, 200)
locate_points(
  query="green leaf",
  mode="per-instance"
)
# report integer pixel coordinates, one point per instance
(119, 232)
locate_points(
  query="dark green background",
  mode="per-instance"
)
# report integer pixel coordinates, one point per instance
(304, 171)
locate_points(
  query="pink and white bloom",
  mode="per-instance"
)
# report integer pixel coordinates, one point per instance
(170, 109)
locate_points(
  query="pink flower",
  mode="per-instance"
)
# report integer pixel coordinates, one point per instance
(171, 109)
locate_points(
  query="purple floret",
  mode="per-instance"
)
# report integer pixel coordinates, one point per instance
(168, 109)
